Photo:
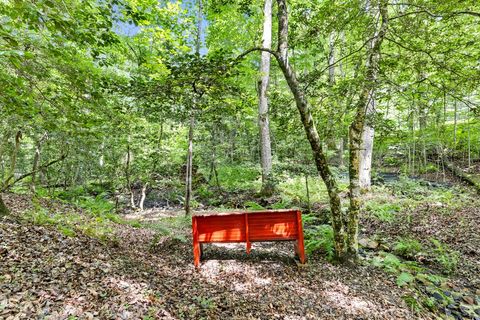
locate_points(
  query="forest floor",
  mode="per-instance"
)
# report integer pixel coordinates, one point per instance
(66, 264)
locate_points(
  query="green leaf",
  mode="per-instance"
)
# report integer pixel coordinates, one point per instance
(404, 278)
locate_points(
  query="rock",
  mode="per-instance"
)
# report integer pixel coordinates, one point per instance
(464, 310)
(447, 293)
(368, 243)
(437, 296)
(384, 247)
(469, 299)
(477, 311)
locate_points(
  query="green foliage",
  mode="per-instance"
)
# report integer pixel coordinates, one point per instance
(407, 247)
(173, 228)
(388, 261)
(320, 239)
(413, 303)
(251, 205)
(404, 278)
(239, 177)
(383, 211)
(71, 223)
(446, 257)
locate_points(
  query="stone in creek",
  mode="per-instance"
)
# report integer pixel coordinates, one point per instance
(437, 296)
(469, 300)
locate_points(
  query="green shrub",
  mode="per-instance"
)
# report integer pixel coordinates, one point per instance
(252, 205)
(407, 247)
(320, 238)
(384, 212)
(446, 257)
(239, 177)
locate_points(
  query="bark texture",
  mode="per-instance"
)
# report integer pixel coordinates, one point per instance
(310, 130)
(3, 208)
(188, 175)
(189, 171)
(263, 121)
(357, 128)
(366, 154)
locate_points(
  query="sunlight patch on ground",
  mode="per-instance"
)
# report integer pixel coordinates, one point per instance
(338, 294)
(226, 272)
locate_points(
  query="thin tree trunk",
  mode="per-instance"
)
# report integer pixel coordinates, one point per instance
(356, 132)
(308, 192)
(213, 168)
(368, 134)
(144, 195)
(188, 173)
(263, 121)
(127, 176)
(36, 160)
(469, 140)
(310, 130)
(454, 126)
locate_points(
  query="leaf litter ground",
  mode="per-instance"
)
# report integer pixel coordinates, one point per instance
(45, 274)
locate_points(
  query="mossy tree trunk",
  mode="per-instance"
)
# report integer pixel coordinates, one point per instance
(3, 208)
(356, 132)
(310, 129)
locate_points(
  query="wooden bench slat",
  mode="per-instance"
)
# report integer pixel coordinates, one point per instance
(275, 225)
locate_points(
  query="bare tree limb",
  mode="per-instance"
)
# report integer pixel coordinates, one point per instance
(23, 176)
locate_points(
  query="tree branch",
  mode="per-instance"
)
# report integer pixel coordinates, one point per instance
(242, 55)
(23, 176)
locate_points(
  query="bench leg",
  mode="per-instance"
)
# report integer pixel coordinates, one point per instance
(249, 247)
(197, 251)
(300, 251)
(299, 247)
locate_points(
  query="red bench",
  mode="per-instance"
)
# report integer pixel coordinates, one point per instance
(271, 225)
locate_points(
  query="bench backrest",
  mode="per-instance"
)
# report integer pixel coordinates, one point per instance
(259, 226)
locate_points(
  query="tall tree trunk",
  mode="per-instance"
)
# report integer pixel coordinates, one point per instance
(189, 171)
(127, 176)
(310, 130)
(263, 122)
(455, 125)
(368, 134)
(356, 131)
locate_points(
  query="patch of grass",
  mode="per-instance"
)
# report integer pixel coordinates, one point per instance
(66, 231)
(174, 228)
(70, 223)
